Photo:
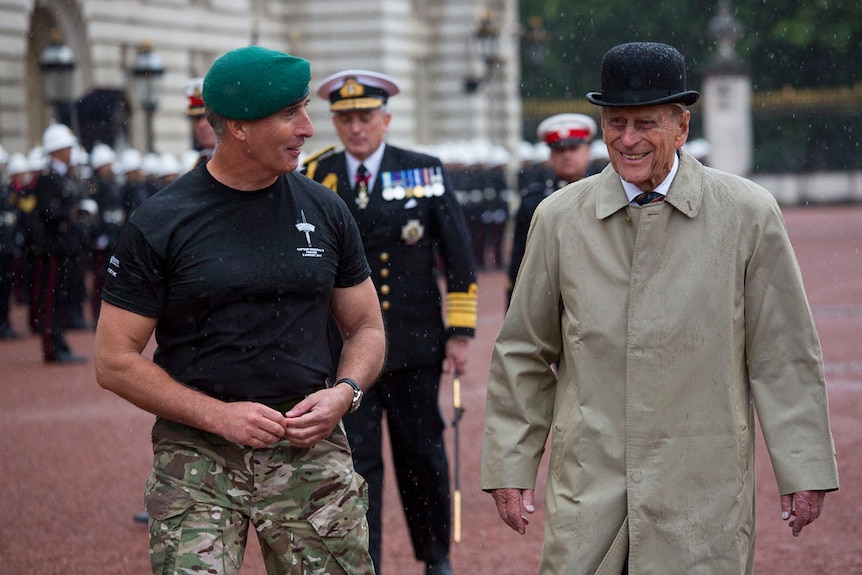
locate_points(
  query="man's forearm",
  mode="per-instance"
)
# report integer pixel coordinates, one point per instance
(362, 356)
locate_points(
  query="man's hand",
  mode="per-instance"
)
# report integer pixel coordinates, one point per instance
(456, 354)
(511, 505)
(803, 506)
(250, 424)
(314, 418)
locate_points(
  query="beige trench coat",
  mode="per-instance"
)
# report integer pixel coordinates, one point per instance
(672, 323)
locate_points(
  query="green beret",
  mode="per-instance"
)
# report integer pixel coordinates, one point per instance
(254, 82)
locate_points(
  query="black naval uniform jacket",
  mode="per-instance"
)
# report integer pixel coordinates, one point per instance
(531, 197)
(412, 224)
(543, 184)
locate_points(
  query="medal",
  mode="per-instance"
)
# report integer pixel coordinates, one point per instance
(362, 179)
(362, 196)
(412, 232)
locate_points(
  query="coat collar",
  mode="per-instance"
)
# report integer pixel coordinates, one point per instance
(685, 194)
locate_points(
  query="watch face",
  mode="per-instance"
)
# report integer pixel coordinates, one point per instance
(357, 399)
(357, 392)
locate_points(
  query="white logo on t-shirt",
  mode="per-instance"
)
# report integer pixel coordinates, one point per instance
(307, 229)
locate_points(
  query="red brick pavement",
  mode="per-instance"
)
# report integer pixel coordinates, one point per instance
(73, 458)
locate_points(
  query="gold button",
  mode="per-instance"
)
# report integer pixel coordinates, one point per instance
(384, 257)
(384, 305)
(384, 273)
(384, 289)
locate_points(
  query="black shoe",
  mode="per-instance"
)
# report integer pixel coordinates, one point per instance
(142, 517)
(441, 567)
(66, 357)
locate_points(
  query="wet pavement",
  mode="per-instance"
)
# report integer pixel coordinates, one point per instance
(73, 457)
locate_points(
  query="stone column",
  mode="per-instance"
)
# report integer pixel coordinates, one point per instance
(727, 99)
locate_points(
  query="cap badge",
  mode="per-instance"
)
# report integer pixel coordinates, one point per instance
(351, 89)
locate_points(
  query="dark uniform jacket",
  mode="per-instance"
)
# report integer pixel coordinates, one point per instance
(412, 222)
(538, 183)
(8, 222)
(57, 198)
(108, 194)
(531, 196)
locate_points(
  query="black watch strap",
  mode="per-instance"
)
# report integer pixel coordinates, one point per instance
(357, 392)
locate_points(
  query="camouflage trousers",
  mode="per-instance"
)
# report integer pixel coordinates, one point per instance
(307, 505)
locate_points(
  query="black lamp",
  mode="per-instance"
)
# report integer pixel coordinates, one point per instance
(487, 35)
(57, 65)
(147, 73)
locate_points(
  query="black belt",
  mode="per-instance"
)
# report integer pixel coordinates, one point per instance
(284, 406)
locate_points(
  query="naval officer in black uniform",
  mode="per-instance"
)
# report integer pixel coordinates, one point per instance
(413, 230)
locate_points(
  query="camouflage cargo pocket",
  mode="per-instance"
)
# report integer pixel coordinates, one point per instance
(341, 513)
(343, 530)
(166, 505)
(164, 502)
(339, 517)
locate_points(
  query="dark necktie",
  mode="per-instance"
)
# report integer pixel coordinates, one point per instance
(361, 187)
(648, 198)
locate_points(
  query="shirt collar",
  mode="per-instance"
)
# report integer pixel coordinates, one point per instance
(688, 185)
(371, 163)
(632, 190)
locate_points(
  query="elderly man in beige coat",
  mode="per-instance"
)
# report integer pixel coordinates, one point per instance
(642, 339)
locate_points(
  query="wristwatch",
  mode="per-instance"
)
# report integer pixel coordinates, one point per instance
(357, 393)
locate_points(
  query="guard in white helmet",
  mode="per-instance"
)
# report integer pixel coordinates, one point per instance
(136, 188)
(107, 192)
(22, 184)
(10, 248)
(57, 244)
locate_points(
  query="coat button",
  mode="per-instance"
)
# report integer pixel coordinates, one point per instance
(384, 273)
(384, 257)
(384, 305)
(637, 476)
(384, 289)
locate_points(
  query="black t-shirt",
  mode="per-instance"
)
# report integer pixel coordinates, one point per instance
(240, 282)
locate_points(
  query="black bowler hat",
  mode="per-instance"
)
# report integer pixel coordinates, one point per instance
(643, 74)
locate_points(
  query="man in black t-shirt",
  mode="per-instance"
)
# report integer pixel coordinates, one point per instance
(236, 267)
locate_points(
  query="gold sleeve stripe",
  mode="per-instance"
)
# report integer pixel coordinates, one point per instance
(462, 307)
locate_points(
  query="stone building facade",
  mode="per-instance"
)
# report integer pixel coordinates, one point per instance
(430, 46)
